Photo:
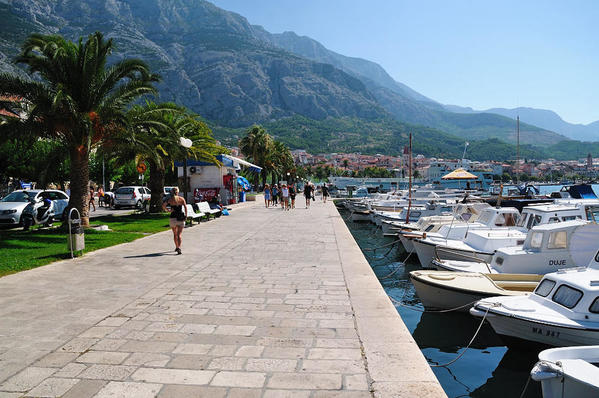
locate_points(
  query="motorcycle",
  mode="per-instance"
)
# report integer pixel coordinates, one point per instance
(38, 212)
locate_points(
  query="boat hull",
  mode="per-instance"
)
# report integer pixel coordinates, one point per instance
(543, 333)
(360, 216)
(425, 253)
(407, 243)
(441, 297)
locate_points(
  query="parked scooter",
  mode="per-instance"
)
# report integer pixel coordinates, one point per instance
(39, 211)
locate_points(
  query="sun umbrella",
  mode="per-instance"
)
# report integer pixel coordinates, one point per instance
(459, 174)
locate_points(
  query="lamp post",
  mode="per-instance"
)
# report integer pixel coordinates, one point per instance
(185, 143)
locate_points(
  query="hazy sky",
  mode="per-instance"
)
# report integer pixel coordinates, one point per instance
(483, 54)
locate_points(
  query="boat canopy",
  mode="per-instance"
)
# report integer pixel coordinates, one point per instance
(459, 174)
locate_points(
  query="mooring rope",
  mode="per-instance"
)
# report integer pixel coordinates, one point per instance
(380, 247)
(467, 347)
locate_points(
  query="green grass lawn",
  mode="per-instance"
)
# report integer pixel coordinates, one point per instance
(21, 250)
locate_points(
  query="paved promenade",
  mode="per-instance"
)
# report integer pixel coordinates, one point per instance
(263, 303)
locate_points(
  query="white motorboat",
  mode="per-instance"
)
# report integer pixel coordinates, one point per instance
(547, 248)
(447, 290)
(568, 372)
(562, 311)
(452, 242)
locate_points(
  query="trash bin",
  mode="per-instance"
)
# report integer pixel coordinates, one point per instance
(76, 238)
(241, 196)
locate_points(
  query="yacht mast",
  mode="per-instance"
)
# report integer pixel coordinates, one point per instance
(409, 181)
(517, 147)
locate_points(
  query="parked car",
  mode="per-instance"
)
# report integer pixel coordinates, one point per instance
(12, 205)
(168, 193)
(133, 196)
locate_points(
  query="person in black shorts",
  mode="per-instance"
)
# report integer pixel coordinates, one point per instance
(292, 195)
(325, 193)
(308, 194)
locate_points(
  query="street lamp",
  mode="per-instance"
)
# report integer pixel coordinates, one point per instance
(185, 143)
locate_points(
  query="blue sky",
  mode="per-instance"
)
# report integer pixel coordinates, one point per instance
(483, 54)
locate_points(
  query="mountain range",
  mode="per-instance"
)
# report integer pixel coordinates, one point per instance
(235, 74)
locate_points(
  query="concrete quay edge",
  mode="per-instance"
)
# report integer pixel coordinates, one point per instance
(396, 365)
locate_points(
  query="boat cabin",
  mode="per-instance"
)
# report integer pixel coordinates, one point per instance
(574, 291)
(550, 247)
(549, 214)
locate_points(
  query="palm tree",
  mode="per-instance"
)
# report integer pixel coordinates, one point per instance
(154, 135)
(256, 146)
(78, 101)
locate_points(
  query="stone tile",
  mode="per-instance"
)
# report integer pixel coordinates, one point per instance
(249, 351)
(350, 394)
(338, 343)
(286, 394)
(108, 344)
(408, 389)
(4, 394)
(129, 390)
(163, 327)
(235, 330)
(56, 359)
(305, 381)
(71, 370)
(271, 365)
(169, 337)
(193, 349)
(227, 363)
(85, 389)
(173, 391)
(97, 332)
(53, 387)
(198, 362)
(332, 366)
(244, 393)
(239, 379)
(284, 352)
(147, 346)
(27, 379)
(147, 359)
(78, 344)
(337, 323)
(334, 353)
(173, 376)
(103, 357)
(355, 382)
(113, 321)
(107, 372)
(198, 328)
(139, 335)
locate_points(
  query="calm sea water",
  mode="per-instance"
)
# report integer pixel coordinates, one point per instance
(488, 369)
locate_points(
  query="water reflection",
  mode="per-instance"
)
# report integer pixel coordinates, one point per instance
(486, 370)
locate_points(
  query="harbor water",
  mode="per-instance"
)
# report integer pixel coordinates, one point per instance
(488, 369)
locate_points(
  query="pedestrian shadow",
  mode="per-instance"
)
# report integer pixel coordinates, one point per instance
(159, 254)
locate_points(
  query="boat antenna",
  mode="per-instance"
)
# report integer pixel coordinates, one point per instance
(517, 147)
(409, 181)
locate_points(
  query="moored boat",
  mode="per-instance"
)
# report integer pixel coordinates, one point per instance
(449, 290)
(568, 372)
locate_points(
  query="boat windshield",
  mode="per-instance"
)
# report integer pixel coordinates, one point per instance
(567, 296)
(594, 308)
(544, 287)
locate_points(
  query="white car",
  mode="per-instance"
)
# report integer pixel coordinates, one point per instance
(12, 205)
(134, 196)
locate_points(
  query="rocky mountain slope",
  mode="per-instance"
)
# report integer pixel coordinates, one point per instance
(235, 74)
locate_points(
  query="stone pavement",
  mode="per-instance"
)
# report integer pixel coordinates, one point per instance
(263, 303)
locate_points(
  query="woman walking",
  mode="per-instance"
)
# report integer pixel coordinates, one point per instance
(92, 201)
(266, 195)
(292, 195)
(178, 216)
(308, 194)
(275, 194)
(284, 197)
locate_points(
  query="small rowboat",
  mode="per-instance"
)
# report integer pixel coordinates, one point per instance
(448, 290)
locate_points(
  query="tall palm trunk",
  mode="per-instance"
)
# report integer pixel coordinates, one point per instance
(79, 173)
(156, 185)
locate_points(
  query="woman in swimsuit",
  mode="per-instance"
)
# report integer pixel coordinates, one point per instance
(178, 216)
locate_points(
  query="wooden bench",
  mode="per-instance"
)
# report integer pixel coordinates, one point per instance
(192, 215)
(205, 208)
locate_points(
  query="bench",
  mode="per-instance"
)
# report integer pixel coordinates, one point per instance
(192, 215)
(205, 208)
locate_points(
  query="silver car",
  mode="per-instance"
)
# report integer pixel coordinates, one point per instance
(131, 196)
(12, 205)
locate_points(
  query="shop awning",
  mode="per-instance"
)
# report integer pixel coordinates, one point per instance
(242, 162)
